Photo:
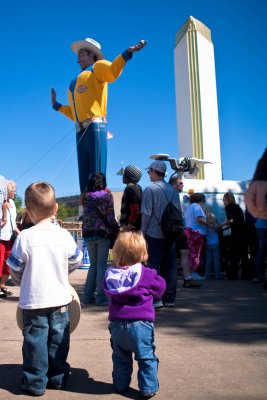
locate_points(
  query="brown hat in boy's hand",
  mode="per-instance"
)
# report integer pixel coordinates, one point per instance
(74, 312)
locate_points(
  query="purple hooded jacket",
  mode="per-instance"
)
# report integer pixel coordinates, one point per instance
(131, 292)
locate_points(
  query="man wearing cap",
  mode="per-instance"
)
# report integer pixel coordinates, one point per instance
(130, 218)
(162, 255)
(87, 95)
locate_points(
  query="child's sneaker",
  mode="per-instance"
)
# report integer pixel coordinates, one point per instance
(147, 395)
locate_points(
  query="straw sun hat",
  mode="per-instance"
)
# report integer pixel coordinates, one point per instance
(74, 312)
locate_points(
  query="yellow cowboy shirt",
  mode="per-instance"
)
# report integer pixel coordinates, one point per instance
(88, 93)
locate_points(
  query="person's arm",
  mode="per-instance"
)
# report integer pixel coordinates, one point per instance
(16, 262)
(16, 229)
(260, 173)
(109, 71)
(200, 216)
(229, 218)
(256, 195)
(201, 221)
(111, 213)
(66, 110)
(4, 214)
(157, 284)
(146, 209)
(75, 260)
(134, 207)
(138, 46)
(225, 225)
(144, 223)
(256, 199)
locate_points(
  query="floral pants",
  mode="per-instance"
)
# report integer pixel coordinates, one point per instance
(195, 242)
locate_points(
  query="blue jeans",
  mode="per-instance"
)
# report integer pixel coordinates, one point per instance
(213, 257)
(98, 254)
(45, 348)
(261, 256)
(162, 257)
(91, 151)
(135, 337)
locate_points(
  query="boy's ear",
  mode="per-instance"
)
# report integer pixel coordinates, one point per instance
(31, 215)
(55, 209)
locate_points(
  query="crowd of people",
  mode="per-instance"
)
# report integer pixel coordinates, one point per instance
(202, 247)
(144, 275)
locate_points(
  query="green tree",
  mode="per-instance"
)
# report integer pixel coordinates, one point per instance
(62, 212)
(18, 204)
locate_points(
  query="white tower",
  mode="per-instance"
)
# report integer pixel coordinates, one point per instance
(196, 98)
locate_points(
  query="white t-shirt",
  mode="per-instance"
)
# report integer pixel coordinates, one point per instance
(192, 213)
(41, 259)
(11, 214)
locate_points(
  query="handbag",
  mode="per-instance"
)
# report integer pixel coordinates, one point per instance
(112, 231)
(14, 233)
(13, 236)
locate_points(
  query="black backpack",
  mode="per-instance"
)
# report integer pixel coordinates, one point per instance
(171, 222)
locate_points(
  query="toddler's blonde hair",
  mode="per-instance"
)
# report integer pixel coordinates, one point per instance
(211, 219)
(130, 248)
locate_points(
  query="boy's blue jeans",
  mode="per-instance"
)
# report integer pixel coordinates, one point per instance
(135, 337)
(45, 348)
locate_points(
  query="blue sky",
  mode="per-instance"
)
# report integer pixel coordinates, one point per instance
(38, 143)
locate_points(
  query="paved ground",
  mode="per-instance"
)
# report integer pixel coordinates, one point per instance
(212, 346)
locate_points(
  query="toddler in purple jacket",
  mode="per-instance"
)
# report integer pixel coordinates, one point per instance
(131, 288)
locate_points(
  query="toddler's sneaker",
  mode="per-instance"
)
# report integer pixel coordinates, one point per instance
(147, 395)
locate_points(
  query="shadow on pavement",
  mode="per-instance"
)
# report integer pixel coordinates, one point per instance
(219, 311)
(79, 382)
(225, 311)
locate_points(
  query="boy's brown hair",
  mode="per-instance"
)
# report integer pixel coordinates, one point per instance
(40, 199)
(130, 248)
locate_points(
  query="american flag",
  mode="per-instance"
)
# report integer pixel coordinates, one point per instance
(109, 135)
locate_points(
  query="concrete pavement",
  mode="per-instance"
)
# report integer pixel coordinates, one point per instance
(212, 346)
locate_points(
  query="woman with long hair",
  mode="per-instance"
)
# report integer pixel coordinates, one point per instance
(236, 221)
(98, 217)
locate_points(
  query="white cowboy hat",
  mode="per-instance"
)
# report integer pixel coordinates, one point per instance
(88, 44)
(74, 312)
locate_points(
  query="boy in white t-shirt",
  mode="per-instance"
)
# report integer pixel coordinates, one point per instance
(41, 259)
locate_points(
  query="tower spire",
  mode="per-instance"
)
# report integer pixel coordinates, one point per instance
(196, 97)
